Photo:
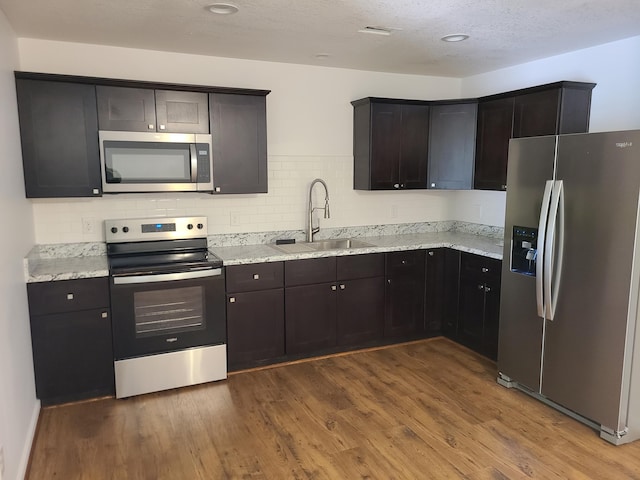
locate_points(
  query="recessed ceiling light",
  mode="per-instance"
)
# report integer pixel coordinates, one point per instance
(455, 37)
(223, 8)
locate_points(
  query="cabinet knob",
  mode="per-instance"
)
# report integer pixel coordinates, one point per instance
(342, 287)
(485, 269)
(431, 254)
(104, 315)
(504, 187)
(162, 127)
(404, 262)
(402, 185)
(334, 288)
(396, 185)
(232, 299)
(433, 185)
(256, 276)
(389, 281)
(69, 296)
(487, 289)
(217, 189)
(96, 191)
(480, 287)
(151, 126)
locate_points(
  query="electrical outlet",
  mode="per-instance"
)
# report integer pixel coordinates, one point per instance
(88, 225)
(1, 462)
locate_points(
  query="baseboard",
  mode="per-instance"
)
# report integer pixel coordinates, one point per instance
(26, 450)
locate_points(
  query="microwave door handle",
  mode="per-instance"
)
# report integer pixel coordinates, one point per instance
(194, 163)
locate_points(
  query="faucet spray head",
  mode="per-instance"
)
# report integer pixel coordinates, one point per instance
(326, 208)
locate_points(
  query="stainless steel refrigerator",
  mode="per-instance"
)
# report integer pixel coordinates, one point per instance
(571, 275)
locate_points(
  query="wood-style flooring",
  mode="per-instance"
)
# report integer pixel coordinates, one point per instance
(424, 410)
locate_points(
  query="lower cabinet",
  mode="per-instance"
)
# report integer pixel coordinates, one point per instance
(71, 339)
(479, 303)
(405, 293)
(346, 308)
(255, 314)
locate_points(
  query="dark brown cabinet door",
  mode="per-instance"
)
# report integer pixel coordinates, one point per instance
(495, 122)
(451, 292)
(72, 355)
(390, 144)
(255, 327)
(471, 313)
(239, 135)
(414, 146)
(360, 310)
(182, 112)
(491, 319)
(452, 146)
(386, 139)
(59, 135)
(435, 290)
(405, 289)
(536, 113)
(126, 109)
(310, 319)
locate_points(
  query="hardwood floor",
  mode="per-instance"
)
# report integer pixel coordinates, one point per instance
(425, 410)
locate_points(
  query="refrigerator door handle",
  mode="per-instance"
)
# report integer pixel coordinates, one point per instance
(542, 229)
(553, 258)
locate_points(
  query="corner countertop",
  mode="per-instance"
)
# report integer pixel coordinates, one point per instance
(87, 262)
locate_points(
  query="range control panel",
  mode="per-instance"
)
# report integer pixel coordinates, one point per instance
(158, 228)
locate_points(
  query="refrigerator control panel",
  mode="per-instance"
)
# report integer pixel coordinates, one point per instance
(524, 250)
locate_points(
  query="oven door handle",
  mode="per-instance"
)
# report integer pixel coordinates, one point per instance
(167, 277)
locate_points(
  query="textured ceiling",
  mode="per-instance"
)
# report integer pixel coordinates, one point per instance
(502, 32)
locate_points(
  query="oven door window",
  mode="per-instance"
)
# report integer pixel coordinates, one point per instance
(147, 162)
(163, 312)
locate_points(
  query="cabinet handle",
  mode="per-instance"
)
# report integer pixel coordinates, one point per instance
(485, 269)
(151, 126)
(69, 296)
(431, 254)
(480, 287)
(104, 315)
(487, 289)
(504, 187)
(232, 299)
(162, 127)
(334, 288)
(256, 276)
(342, 287)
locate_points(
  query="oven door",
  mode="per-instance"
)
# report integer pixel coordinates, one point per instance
(164, 312)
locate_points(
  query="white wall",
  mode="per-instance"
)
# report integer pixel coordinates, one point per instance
(18, 405)
(309, 127)
(615, 103)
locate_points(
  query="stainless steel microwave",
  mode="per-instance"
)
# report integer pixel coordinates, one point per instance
(155, 162)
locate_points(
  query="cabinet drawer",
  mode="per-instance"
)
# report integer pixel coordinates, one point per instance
(309, 271)
(477, 266)
(68, 295)
(351, 267)
(255, 276)
(405, 261)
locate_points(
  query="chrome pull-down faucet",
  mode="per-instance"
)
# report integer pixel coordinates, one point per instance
(311, 230)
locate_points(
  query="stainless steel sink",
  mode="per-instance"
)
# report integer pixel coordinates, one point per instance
(322, 245)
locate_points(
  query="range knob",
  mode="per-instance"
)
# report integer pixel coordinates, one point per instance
(190, 226)
(125, 229)
(114, 229)
(200, 226)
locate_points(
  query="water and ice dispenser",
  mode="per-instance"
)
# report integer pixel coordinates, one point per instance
(524, 250)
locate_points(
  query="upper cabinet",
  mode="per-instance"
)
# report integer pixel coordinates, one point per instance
(59, 135)
(390, 146)
(60, 116)
(556, 108)
(239, 136)
(452, 143)
(149, 110)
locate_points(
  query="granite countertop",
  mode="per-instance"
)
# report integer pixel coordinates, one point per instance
(79, 261)
(478, 244)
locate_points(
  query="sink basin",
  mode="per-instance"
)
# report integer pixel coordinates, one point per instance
(338, 244)
(322, 245)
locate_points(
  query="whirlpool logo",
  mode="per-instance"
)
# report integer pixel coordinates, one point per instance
(624, 144)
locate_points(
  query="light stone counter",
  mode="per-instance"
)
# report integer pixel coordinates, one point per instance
(85, 260)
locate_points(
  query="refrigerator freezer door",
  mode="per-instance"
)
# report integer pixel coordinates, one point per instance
(531, 163)
(587, 347)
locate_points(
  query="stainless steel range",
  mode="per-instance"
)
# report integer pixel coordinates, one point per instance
(167, 304)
